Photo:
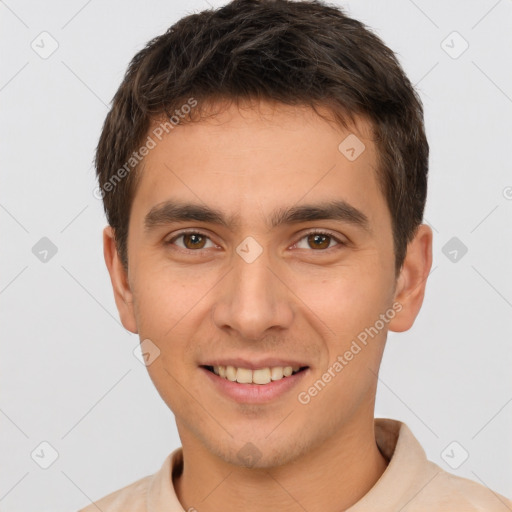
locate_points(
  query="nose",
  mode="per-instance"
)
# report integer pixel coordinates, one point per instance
(254, 299)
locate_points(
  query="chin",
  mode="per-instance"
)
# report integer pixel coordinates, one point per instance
(258, 453)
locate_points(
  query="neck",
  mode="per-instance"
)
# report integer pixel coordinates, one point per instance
(331, 477)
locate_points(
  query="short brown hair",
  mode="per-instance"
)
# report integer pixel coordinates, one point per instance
(290, 52)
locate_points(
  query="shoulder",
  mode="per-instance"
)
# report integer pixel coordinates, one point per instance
(145, 493)
(412, 483)
(450, 492)
(131, 498)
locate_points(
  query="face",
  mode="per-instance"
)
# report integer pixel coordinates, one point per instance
(238, 270)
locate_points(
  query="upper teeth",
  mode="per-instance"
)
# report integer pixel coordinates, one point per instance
(259, 376)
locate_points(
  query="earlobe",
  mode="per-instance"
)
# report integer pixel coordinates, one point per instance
(119, 279)
(412, 281)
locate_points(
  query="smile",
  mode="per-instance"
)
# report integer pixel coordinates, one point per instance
(260, 376)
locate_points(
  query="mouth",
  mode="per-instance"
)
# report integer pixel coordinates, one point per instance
(259, 376)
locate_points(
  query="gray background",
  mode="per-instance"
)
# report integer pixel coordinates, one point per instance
(68, 373)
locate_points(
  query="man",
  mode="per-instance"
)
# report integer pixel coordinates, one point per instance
(264, 174)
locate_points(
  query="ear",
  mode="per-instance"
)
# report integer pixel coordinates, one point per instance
(119, 278)
(412, 280)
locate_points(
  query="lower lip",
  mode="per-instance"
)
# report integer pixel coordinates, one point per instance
(254, 393)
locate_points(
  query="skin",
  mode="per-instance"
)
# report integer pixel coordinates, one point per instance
(295, 300)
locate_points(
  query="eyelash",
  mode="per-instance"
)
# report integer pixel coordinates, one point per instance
(312, 232)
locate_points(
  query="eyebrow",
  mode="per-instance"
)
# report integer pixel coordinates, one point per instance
(175, 211)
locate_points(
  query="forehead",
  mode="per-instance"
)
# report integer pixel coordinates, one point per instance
(244, 159)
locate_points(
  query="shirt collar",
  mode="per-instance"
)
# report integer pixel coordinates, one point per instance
(408, 470)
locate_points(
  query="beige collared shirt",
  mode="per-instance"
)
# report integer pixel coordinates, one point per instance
(410, 483)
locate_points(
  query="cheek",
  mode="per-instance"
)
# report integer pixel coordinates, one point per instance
(164, 298)
(170, 304)
(164, 309)
(346, 298)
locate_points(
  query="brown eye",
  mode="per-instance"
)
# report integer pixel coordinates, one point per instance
(190, 240)
(319, 241)
(193, 241)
